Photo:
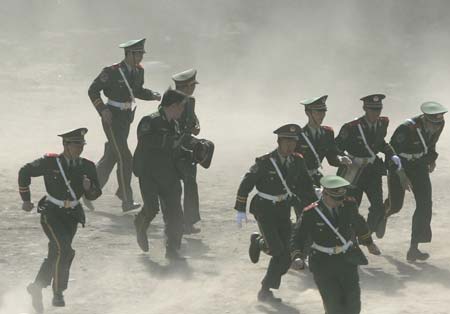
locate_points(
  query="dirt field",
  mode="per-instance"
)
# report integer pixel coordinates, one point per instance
(255, 62)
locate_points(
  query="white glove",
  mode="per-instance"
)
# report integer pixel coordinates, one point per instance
(240, 217)
(396, 160)
(345, 160)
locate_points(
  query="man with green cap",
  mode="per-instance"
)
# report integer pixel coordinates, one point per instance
(316, 142)
(415, 142)
(281, 179)
(334, 255)
(67, 178)
(154, 164)
(362, 139)
(121, 83)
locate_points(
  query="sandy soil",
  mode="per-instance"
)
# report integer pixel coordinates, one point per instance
(241, 99)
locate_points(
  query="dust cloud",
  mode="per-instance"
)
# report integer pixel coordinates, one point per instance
(256, 60)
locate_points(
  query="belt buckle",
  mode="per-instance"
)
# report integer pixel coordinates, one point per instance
(279, 198)
(67, 204)
(338, 249)
(127, 106)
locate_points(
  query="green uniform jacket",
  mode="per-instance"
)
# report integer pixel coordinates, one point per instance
(264, 177)
(406, 139)
(325, 146)
(54, 182)
(114, 87)
(311, 225)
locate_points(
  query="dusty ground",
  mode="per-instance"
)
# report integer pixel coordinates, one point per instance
(251, 81)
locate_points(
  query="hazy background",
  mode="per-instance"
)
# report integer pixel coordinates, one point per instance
(256, 60)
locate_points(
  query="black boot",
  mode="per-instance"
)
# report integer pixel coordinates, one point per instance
(254, 249)
(381, 228)
(141, 225)
(266, 295)
(36, 297)
(58, 299)
(190, 229)
(414, 254)
(129, 206)
(172, 254)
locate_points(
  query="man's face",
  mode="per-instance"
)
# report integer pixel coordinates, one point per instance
(74, 149)
(135, 57)
(335, 201)
(434, 122)
(188, 89)
(316, 115)
(286, 146)
(372, 115)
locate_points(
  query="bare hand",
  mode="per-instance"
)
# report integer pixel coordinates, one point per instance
(27, 206)
(432, 166)
(298, 264)
(373, 249)
(86, 183)
(107, 116)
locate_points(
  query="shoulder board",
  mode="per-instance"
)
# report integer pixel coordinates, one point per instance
(310, 206)
(85, 159)
(354, 122)
(139, 66)
(263, 157)
(328, 128)
(384, 120)
(298, 155)
(51, 155)
(410, 123)
(115, 65)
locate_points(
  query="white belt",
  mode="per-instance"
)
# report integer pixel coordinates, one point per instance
(363, 160)
(118, 104)
(273, 198)
(411, 156)
(65, 204)
(332, 250)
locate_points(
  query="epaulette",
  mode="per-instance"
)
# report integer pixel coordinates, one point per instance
(298, 155)
(328, 128)
(140, 66)
(82, 158)
(384, 119)
(310, 206)
(411, 123)
(354, 122)
(263, 157)
(51, 155)
(115, 65)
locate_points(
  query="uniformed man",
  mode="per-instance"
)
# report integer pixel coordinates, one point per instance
(67, 178)
(334, 255)
(121, 84)
(281, 180)
(415, 142)
(362, 139)
(154, 165)
(317, 141)
(189, 125)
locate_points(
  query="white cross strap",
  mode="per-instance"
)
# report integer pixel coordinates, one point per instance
(72, 193)
(128, 85)
(312, 149)
(288, 190)
(372, 154)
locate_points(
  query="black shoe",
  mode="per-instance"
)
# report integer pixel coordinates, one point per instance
(126, 207)
(88, 204)
(58, 299)
(173, 255)
(381, 228)
(265, 295)
(190, 229)
(254, 250)
(141, 232)
(414, 255)
(36, 297)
